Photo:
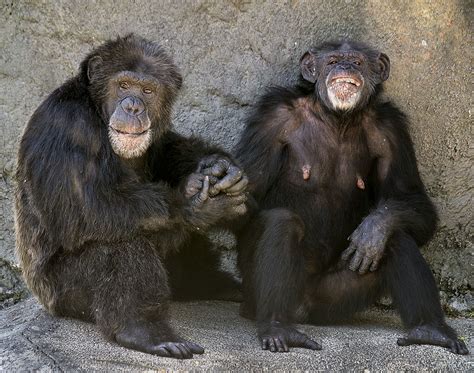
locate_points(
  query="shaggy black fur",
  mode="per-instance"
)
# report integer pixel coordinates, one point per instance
(342, 210)
(99, 225)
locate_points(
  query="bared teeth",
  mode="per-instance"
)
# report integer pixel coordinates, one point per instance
(347, 80)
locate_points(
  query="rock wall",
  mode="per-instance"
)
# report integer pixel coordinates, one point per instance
(229, 51)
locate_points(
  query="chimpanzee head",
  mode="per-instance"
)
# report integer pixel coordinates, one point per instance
(133, 84)
(345, 74)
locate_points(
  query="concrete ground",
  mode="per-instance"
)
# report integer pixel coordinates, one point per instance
(31, 340)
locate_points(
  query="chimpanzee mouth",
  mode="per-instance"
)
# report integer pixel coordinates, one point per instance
(345, 80)
(128, 144)
(132, 134)
(344, 90)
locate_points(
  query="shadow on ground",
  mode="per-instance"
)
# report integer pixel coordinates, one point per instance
(31, 340)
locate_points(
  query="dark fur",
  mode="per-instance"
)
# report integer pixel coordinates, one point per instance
(97, 234)
(290, 250)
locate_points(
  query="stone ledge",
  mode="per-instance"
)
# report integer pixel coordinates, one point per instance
(31, 340)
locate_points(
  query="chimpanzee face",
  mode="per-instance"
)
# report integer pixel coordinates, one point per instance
(344, 82)
(132, 105)
(344, 77)
(133, 84)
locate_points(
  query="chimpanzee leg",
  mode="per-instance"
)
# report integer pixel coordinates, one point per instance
(195, 272)
(413, 289)
(405, 275)
(123, 288)
(340, 293)
(275, 277)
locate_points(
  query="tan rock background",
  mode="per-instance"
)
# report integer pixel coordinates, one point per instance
(228, 51)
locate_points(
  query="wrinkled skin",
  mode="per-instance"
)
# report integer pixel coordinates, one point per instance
(277, 337)
(426, 334)
(218, 184)
(367, 245)
(224, 176)
(138, 336)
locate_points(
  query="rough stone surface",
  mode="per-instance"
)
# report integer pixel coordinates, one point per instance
(31, 340)
(229, 51)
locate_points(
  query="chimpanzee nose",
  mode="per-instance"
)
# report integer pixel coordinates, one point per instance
(344, 65)
(132, 105)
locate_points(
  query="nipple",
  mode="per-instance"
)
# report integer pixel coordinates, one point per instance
(306, 171)
(360, 183)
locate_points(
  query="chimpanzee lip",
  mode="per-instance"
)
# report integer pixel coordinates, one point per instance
(346, 80)
(130, 133)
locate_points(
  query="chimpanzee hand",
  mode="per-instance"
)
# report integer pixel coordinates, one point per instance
(367, 244)
(224, 175)
(206, 210)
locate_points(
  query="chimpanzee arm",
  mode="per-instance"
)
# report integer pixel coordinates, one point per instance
(260, 147)
(402, 202)
(66, 169)
(402, 195)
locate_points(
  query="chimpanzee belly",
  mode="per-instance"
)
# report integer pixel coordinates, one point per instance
(331, 197)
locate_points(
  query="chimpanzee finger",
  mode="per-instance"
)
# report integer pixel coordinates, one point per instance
(194, 185)
(206, 162)
(355, 262)
(217, 170)
(234, 174)
(213, 179)
(213, 191)
(375, 263)
(208, 171)
(195, 180)
(364, 267)
(204, 195)
(239, 186)
(349, 251)
(353, 235)
(220, 168)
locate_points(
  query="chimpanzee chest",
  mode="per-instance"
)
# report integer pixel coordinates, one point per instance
(321, 159)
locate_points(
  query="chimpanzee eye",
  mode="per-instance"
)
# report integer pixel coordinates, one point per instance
(357, 63)
(147, 91)
(332, 62)
(123, 85)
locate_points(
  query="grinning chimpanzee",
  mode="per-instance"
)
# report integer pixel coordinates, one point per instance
(108, 196)
(342, 210)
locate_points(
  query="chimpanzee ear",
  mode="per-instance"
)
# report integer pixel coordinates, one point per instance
(308, 66)
(384, 64)
(93, 65)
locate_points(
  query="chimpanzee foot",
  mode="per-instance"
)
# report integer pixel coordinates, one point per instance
(144, 338)
(431, 335)
(178, 350)
(277, 337)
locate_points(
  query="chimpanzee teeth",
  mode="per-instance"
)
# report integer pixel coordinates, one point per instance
(348, 80)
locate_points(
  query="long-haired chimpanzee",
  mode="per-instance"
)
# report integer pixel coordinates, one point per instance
(342, 209)
(108, 195)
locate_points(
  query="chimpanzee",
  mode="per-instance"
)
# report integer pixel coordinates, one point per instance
(107, 194)
(342, 210)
